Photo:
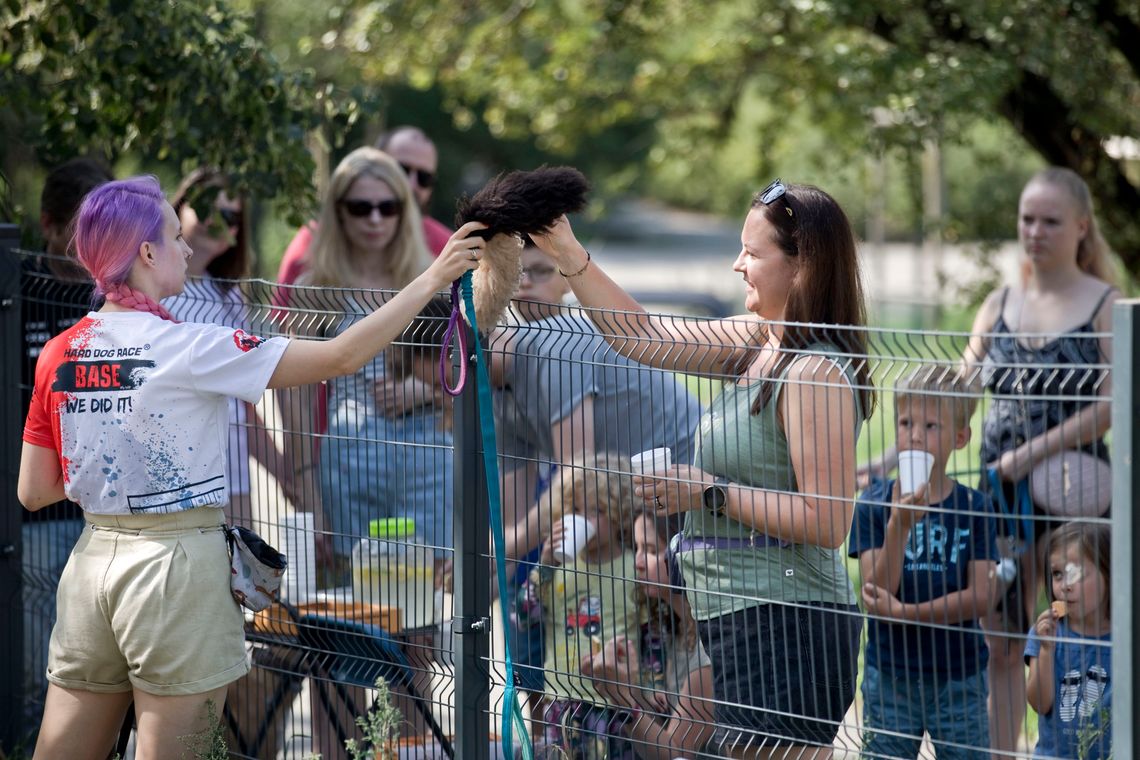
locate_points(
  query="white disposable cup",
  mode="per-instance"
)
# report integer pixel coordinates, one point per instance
(576, 531)
(914, 469)
(654, 460)
(300, 581)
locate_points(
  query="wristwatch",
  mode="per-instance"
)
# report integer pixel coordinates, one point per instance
(715, 497)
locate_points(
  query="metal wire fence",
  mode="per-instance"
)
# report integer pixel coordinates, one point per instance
(776, 584)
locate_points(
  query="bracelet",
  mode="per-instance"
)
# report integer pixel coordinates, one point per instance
(583, 269)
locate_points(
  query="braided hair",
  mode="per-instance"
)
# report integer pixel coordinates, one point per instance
(114, 220)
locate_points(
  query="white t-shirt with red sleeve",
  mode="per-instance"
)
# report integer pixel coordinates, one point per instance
(136, 407)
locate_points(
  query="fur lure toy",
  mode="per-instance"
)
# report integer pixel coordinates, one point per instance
(512, 205)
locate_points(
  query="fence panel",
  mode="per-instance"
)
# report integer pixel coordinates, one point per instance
(373, 484)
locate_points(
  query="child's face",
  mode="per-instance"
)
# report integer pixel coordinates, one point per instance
(928, 425)
(1077, 581)
(650, 561)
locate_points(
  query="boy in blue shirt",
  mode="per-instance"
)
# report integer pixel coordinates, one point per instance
(928, 562)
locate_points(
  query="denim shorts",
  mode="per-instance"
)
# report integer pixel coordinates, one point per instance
(899, 708)
(782, 674)
(375, 467)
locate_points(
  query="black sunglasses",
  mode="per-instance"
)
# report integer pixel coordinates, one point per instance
(423, 178)
(361, 208)
(230, 217)
(773, 192)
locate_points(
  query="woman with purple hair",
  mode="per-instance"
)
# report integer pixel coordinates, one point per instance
(128, 418)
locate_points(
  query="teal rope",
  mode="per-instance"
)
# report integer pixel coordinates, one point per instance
(512, 717)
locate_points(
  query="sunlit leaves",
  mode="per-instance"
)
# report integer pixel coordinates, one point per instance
(174, 81)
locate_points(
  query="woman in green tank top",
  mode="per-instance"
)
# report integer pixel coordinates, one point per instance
(769, 497)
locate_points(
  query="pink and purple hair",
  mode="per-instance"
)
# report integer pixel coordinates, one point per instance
(114, 220)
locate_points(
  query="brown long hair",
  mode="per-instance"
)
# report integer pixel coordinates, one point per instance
(659, 611)
(825, 301)
(407, 253)
(233, 263)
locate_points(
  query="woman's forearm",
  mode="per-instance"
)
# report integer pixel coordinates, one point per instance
(791, 516)
(1089, 424)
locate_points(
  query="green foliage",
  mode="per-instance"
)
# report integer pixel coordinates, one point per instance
(686, 77)
(181, 83)
(1094, 734)
(210, 743)
(381, 727)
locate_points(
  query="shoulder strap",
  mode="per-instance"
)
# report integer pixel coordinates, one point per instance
(1104, 297)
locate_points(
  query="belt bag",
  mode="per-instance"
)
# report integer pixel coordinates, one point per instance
(255, 568)
(1072, 484)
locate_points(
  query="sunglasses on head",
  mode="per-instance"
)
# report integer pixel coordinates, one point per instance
(773, 193)
(422, 177)
(231, 217)
(361, 208)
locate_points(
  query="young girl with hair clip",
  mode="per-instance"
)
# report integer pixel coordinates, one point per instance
(586, 603)
(128, 418)
(1069, 652)
(767, 500)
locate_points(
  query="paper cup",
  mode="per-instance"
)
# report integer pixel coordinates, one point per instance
(577, 530)
(654, 460)
(914, 469)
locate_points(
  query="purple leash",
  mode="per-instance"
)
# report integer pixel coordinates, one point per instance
(452, 324)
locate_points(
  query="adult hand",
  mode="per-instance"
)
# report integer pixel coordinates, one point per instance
(678, 489)
(882, 603)
(559, 243)
(1014, 465)
(460, 254)
(876, 467)
(396, 397)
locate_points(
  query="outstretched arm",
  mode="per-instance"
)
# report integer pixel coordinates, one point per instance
(307, 361)
(682, 345)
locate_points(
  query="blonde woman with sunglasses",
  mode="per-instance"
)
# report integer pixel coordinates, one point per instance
(379, 459)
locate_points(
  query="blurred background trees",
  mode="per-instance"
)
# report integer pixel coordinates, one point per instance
(692, 103)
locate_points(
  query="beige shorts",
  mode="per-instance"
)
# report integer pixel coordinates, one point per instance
(144, 602)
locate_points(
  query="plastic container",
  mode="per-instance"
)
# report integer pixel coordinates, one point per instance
(391, 569)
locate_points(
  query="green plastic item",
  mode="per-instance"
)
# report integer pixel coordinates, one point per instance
(392, 527)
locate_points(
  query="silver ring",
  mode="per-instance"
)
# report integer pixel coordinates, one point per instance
(657, 501)
(474, 254)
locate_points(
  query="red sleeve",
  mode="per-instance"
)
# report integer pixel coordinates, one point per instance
(296, 255)
(436, 234)
(42, 425)
(293, 265)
